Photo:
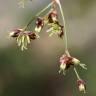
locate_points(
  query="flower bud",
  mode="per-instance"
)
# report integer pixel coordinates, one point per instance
(56, 28)
(65, 63)
(81, 86)
(65, 59)
(61, 32)
(39, 24)
(63, 66)
(32, 35)
(52, 16)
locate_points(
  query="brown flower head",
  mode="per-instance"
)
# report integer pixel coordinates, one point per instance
(65, 63)
(39, 24)
(23, 37)
(52, 16)
(32, 35)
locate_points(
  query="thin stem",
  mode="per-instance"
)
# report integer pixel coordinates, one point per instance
(39, 13)
(76, 73)
(64, 23)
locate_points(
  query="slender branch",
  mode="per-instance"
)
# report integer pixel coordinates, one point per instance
(76, 73)
(39, 13)
(64, 23)
(44, 9)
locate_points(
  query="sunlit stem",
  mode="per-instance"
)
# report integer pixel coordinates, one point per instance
(64, 23)
(76, 73)
(39, 13)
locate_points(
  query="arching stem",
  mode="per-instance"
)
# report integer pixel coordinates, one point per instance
(64, 23)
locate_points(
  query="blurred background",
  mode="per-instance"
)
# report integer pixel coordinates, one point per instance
(34, 72)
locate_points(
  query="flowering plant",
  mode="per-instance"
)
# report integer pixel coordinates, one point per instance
(51, 19)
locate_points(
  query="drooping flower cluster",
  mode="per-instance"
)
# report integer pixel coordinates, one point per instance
(51, 20)
(23, 36)
(54, 25)
(66, 61)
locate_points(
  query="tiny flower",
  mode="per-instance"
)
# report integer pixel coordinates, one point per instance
(23, 40)
(39, 24)
(15, 32)
(33, 35)
(77, 62)
(61, 33)
(62, 68)
(56, 28)
(23, 37)
(52, 16)
(65, 63)
(81, 86)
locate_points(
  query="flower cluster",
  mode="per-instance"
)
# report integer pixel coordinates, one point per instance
(54, 26)
(23, 37)
(50, 19)
(66, 61)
